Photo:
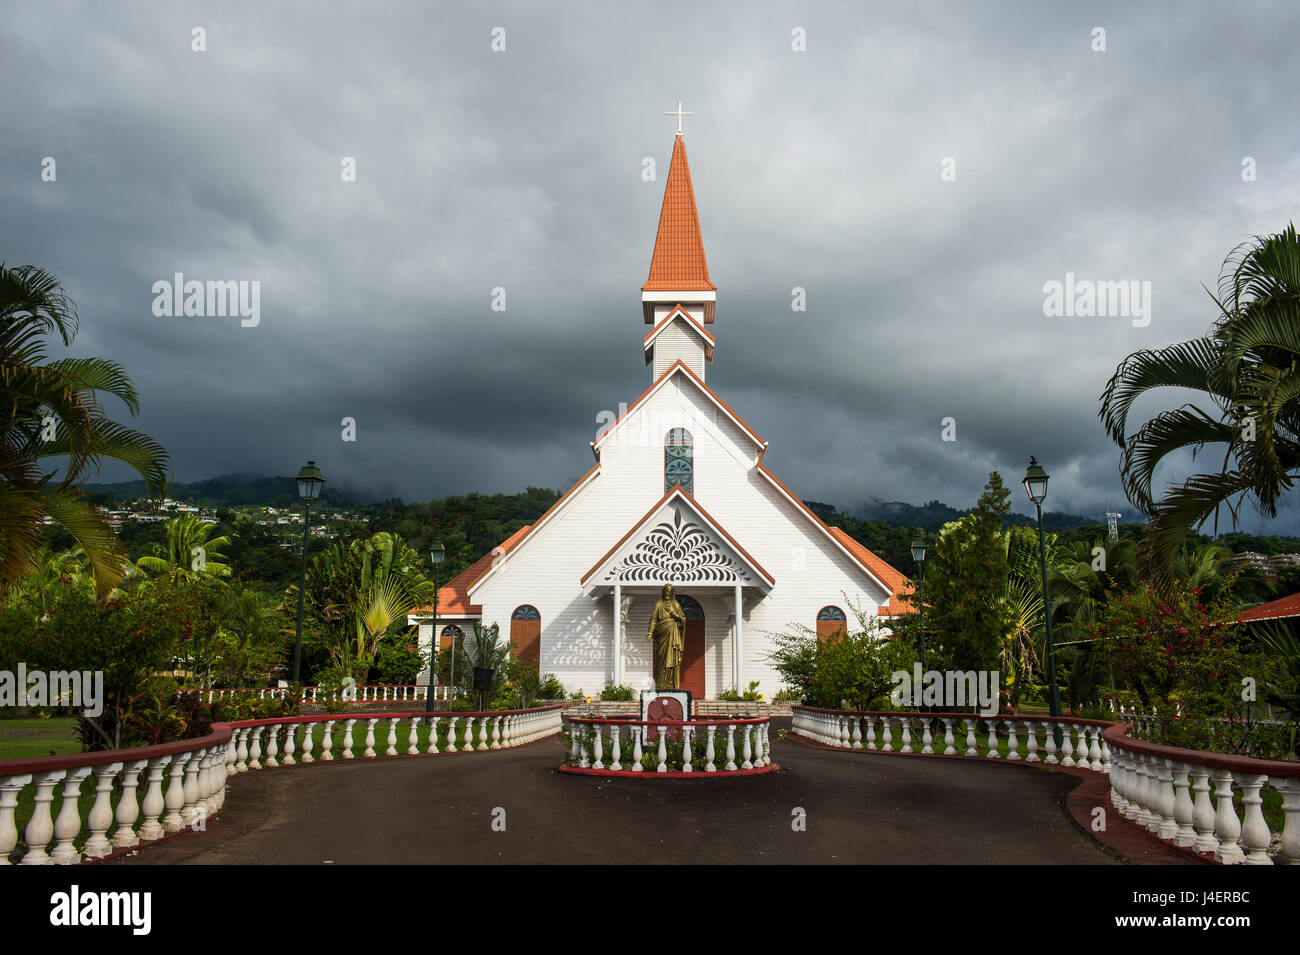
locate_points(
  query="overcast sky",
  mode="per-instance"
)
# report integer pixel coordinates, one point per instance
(521, 168)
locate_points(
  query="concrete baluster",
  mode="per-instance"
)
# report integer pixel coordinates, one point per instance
(1185, 833)
(68, 824)
(100, 816)
(128, 806)
(1289, 789)
(10, 787)
(308, 744)
(40, 828)
(255, 749)
(272, 744)
(1255, 834)
(1227, 828)
(153, 805)
(174, 798)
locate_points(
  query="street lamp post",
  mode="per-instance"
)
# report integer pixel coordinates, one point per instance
(436, 554)
(1036, 487)
(918, 555)
(309, 485)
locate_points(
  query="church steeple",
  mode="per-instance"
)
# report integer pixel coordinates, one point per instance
(678, 298)
(679, 272)
(679, 264)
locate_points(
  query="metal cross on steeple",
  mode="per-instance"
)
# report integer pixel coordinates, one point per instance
(679, 114)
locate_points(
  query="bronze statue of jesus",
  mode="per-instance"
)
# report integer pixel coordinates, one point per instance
(668, 635)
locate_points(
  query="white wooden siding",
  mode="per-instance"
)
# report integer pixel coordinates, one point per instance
(577, 631)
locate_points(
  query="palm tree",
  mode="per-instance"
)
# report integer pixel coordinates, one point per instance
(1023, 598)
(357, 592)
(53, 410)
(1080, 587)
(188, 539)
(1247, 371)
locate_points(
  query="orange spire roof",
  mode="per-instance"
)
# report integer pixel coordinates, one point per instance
(678, 264)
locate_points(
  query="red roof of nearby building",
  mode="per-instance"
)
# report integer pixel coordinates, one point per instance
(1278, 609)
(678, 263)
(453, 596)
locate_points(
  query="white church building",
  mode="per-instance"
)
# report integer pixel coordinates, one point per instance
(678, 493)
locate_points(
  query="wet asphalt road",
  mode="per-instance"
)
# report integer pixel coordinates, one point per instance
(858, 809)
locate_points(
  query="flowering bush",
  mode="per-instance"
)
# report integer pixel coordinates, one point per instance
(1157, 643)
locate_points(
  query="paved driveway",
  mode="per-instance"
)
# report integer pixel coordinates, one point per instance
(439, 810)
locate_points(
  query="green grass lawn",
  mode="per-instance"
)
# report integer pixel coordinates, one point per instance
(32, 738)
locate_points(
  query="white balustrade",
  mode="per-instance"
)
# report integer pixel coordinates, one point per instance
(163, 794)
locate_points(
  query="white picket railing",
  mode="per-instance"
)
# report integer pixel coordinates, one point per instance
(184, 782)
(368, 693)
(709, 746)
(1166, 790)
(1081, 743)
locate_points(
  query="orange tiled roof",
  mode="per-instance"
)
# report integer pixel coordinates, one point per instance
(453, 596)
(678, 264)
(899, 586)
(672, 317)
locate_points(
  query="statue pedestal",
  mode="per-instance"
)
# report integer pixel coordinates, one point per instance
(657, 705)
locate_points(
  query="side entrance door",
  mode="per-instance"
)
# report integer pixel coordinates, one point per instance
(526, 635)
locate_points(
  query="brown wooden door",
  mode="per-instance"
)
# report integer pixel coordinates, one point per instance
(526, 635)
(693, 659)
(693, 651)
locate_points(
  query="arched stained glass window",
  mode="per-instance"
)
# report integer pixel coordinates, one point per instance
(679, 460)
(830, 621)
(690, 607)
(449, 633)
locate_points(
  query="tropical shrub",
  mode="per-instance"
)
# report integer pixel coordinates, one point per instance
(853, 671)
(619, 692)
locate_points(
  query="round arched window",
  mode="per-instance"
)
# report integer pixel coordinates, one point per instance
(690, 607)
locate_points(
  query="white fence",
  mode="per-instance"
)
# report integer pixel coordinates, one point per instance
(184, 783)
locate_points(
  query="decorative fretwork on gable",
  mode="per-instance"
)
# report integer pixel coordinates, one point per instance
(678, 552)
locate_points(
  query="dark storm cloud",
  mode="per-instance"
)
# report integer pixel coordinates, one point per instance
(521, 170)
